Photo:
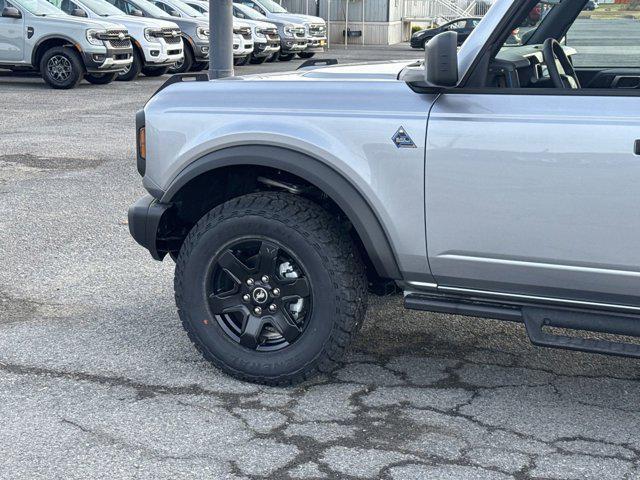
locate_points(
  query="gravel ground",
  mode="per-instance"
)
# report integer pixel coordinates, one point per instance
(98, 380)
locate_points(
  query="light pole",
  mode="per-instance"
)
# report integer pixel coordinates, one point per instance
(220, 38)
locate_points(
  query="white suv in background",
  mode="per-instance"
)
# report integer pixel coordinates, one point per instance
(157, 44)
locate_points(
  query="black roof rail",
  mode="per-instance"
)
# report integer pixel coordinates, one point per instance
(317, 62)
(183, 77)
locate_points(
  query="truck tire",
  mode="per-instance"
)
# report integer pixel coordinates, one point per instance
(133, 70)
(185, 65)
(199, 66)
(241, 61)
(154, 71)
(270, 288)
(306, 55)
(61, 67)
(100, 78)
(287, 57)
(258, 60)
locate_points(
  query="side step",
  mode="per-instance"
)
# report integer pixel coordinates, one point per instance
(536, 318)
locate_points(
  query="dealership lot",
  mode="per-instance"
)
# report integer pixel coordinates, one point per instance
(97, 378)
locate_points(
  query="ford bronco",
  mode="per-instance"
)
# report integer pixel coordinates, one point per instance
(497, 181)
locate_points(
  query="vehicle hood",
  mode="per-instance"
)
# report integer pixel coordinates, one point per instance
(64, 19)
(186, 23)
(259, 24)
(141, 22)
(364, 71)
(290, 17)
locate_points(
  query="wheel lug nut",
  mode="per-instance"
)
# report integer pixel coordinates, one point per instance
(276, 292)
(246, 297)
(250, 281)
(257, 311)
(273, 307)
(265, 279)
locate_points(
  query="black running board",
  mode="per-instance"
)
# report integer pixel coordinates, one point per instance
(536, 318)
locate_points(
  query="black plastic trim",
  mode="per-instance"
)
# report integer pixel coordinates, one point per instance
(144, 217)
(316, 172)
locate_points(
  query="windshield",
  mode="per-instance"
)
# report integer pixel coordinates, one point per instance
(151, 9)
(187, 9)
(531, 23)
(42, 8)
(248, 12)
(272, 6)
(101, 7)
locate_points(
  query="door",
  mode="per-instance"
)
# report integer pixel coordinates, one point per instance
(12, 34)
(535, 194)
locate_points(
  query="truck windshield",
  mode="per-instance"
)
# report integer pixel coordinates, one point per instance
(187, 9)
(531, 23)
(102, 8)
(41, 8)
(272, 6)
(242, 11)
(151, 9)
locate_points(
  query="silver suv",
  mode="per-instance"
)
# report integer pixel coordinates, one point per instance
(497, 181)
(64, 49)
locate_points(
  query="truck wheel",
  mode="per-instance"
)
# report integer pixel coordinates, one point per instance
(61, 67)
(258, 60)
(287, 57)
(270, 288)
(154, 71)
(100, 78)
(133, 70)
(199, 66)
(241, 61)
(185, 64)
(306, 55)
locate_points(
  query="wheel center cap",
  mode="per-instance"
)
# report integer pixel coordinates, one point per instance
(260, 295)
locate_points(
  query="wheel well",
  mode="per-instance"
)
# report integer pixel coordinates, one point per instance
(46, 45)
(215, 187)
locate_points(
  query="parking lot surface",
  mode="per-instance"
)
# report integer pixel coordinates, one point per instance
(98, 380)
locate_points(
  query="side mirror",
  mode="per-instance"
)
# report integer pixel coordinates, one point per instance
(137, 13)
(174, 13)
(78, 12)
(441, 60)
(11, 12)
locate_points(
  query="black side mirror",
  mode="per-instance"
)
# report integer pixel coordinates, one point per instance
(441, 60)
(137, 13)
(78, 12)
(11, 12)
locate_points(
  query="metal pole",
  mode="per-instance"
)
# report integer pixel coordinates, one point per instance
(362, 22)
(346, 24)
(220, 38)
(328, 24)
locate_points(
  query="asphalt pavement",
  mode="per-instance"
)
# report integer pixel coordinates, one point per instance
(98, 380)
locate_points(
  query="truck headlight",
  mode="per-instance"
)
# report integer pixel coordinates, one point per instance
(152, 34)
(93, 36)
(289, 29)
(202, 33)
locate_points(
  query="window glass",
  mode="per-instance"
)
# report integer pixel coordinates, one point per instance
(531, 22)
(608, 36)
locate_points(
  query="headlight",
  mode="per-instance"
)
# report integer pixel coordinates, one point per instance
(151, 34)
(202, 33)
(289, 29)
(93, 34)
(258, 32)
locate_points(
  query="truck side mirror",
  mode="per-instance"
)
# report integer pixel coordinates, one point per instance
(441, 60)
(137, 13)
(78, 12)
(11, 12)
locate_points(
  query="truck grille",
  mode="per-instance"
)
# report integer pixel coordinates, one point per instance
(244, 31)
(170, 35)
(116, 38)
(317, 30)
(299, 32)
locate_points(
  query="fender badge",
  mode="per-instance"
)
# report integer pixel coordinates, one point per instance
(402, 139)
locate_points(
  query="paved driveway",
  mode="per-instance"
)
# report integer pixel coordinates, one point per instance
(98, 380)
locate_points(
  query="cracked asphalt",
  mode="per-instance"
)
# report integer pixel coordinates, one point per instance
(98, 380)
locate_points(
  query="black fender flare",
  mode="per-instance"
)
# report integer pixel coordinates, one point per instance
(314, 171)
(52, 36)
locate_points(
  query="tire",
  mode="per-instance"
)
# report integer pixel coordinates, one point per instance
(100, 78)
(61, 67)
(258, 60)
(306, 55)
(132, 72)
(286, 58)
(186, 64)
(273, 57)
(199, 66)
(154, 71)
(279, 227)
(241, 61)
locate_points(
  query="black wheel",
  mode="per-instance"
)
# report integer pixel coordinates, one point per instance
(100, 78)
(287, 57)
(270, 288)
(240, 61)
(306, 55)
(154, 71)
(61, 67)
(132, 71)
(258, 60)
(273, 57)
(185, 64)
(199, 66)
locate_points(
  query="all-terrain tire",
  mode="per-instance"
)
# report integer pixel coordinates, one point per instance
(186, 63)
(100, 78)
(258, 60)
(333, 267)
(66, 69)
(306, 55)
(287, 57)
(132, 72)
(154, 71)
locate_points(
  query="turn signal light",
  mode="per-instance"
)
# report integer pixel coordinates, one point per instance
(142, 143)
